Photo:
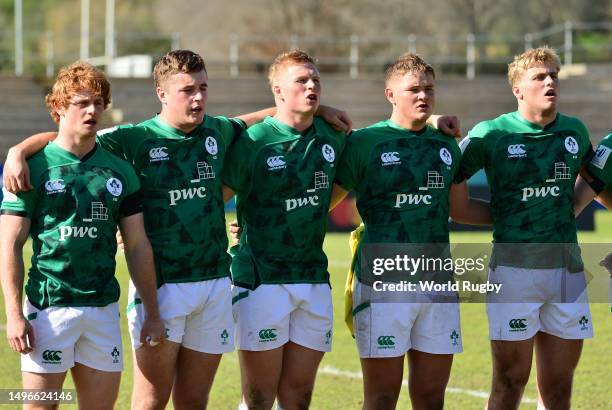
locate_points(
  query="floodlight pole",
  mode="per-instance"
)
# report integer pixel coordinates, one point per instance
(109, 41)
(18, 38)
(84, 55)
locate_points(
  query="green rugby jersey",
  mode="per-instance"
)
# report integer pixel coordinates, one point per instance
(284, 180)
(183, 204)
(600, 166)
(531, 173)
(74, 209)
(402, 181)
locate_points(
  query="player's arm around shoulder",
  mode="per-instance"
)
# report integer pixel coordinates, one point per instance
(14, 230)
(139, 258)
(16, 176)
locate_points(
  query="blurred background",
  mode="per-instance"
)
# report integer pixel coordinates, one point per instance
(469, 42)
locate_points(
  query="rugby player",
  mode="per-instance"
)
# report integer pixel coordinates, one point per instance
(283, 170)
(178, 156)
(402, 172)
(81, 192)
(532, 157)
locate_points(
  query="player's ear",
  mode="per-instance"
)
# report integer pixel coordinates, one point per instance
(276, 90)
(389, 95)
(161, 94)
(516, 90)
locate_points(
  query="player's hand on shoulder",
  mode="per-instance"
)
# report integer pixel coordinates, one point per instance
(16, 174)
(448, 124)
(20, 334)
(338, 119)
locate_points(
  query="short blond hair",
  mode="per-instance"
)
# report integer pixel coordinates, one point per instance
(295, 56)
(408, 63)
(532, 58)
(76, 77)
(175, 62)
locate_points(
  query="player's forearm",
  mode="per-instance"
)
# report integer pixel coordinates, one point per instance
(12, 277)
(253, 118)
(32, 145)
(139, 259)
(476, 212)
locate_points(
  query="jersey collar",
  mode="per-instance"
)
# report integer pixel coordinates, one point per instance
(172, 132)
(535, 127)
(393, 125)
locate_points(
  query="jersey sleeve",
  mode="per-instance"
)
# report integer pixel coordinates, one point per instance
(350, 167)
(586, 148)
(473, 153)
(115, 140)
(600, 166)
(20, 204)
(237, 167)
(231, 128)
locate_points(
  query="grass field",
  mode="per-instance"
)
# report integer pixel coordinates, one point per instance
(339, 380)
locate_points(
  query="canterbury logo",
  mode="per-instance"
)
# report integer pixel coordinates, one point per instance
(517, 324)
(55, 185)
(52, 356)
(516, 150)
(267, 334)
(386, 341)
(275, 162)
(158, 153)
(390, 157)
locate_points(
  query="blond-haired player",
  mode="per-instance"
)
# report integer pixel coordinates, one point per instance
(532, 157)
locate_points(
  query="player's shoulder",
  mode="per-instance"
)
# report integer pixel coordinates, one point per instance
(495, 127)
(606, 141)
(572, 123)
(110, 160)
(372, 131)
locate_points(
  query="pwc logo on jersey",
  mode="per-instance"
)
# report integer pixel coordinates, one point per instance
(571, 145)
(390, 158)
(516, 151)
(540, 192)
(276, 162)
(158, 154)
(328, 153)
(54, 186)
(211, 145)
(186, 194)
(412, 199)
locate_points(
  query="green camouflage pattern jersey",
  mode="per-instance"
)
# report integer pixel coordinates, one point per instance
(531, 173)
(73, 210)
(183, 204)
(284, 181)
(601, 165)
(402, 181)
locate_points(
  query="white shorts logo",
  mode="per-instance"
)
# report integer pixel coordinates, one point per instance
(328, 153)
(571, 145)
(516, 151)
(55, 185)
(158, 154)
(446, 156)
(601, 157)
(390, 158)
(114, 186)
(211, 145)
(276, 162)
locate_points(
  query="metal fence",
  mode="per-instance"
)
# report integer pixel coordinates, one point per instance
(576, 42)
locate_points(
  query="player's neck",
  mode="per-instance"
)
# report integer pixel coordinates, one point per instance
(541, 118)
(299, 121)
(79, 145)
(408, 123)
